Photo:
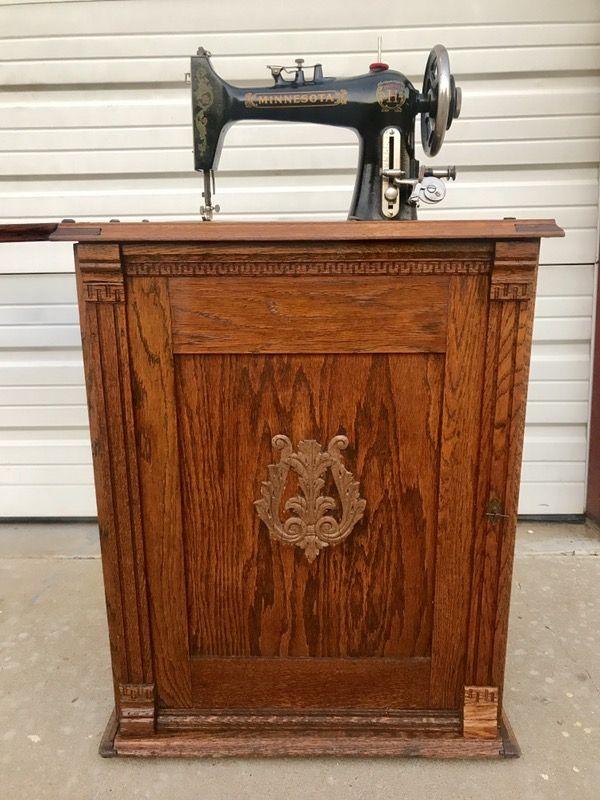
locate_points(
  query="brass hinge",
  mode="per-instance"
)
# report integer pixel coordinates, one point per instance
(495, 511)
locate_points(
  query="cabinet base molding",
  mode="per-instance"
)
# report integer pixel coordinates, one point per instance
(107, 743)
(215, 735)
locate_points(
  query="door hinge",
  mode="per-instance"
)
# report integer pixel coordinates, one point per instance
(495, 511)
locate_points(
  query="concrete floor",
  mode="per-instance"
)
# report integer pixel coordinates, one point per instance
(55, 690)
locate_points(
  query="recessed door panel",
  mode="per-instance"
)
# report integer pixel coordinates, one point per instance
(250, 594)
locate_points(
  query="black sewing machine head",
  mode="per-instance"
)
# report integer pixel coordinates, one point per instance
(380, 106)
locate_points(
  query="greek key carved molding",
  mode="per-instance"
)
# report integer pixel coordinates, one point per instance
(95, 292)
(510, 291)
(311, 526)
(141, 693)
(481, 694)
(165, 268)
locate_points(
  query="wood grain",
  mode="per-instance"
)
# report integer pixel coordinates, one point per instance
(248, 595)
(495, 431)
(296, 258)
(480, 713)
(301, 734)
(110, 403)
(523, 335)
(307, 232)
(406, 720)
(514, 272)
(304, 683)
(149, 327)
(27, 231)
(503, 419)
(309, 315)
(467, 317)
(137, 709)
(225, 641)
(334, 743)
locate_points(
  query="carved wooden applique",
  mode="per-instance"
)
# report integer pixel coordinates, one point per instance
(311, 526)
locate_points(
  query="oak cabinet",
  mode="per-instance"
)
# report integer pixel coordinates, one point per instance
(307, 442)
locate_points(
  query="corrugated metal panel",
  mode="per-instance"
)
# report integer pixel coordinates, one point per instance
(96, 124)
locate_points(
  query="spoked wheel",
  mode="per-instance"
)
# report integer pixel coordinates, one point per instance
(444, 98)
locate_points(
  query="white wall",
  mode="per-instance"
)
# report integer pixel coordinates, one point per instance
(95, 123)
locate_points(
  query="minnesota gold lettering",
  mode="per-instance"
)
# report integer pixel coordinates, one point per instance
(272, 100)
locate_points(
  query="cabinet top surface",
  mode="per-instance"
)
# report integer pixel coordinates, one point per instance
(279, 231)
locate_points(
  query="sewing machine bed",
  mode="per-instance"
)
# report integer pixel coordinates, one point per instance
(307, 442)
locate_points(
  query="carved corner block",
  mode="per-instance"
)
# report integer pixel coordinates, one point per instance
(137, 709)
(480, 713)
(101, 273)
(514, 270)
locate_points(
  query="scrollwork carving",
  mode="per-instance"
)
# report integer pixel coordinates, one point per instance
(311, 525)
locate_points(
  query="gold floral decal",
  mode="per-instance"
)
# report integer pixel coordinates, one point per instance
(203, 99)
(311, 526)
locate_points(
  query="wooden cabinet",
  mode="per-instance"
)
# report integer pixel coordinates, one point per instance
(307, 442)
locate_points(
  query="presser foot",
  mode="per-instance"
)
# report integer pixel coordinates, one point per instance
(208, 210)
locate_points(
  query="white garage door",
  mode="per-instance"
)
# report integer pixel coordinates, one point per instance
(95, 123)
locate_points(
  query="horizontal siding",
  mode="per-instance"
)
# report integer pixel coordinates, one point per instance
(565, 443)
(96, 125)
(47, 451)
(41, 390)
(146, 17)
(548, 497)
(43, 500)
(172, 68)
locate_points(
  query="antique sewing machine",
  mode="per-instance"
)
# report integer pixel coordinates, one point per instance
(381, 106)
(306, 441)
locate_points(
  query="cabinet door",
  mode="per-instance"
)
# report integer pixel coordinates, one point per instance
(233, 374)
